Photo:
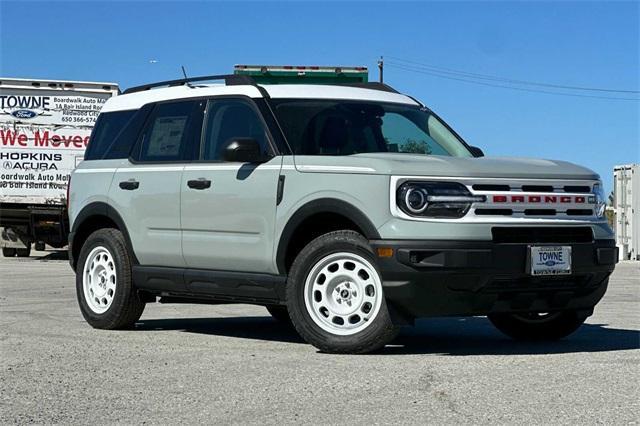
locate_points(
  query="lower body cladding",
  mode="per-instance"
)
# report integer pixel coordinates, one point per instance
(204, 286)
(443, 278)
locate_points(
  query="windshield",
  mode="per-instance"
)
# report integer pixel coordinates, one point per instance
(338, 127)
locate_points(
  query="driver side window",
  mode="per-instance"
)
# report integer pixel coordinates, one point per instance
(227, 120)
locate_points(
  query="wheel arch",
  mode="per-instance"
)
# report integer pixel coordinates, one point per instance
(94, 216)
(331, 214)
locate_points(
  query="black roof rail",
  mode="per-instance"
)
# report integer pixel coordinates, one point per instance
(229, 79)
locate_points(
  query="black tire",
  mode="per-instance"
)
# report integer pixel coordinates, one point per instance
(534, 326)
(40, 246)
(279, 313)
(24, 252)
(379, 329)
(126, 306)
(8, 252)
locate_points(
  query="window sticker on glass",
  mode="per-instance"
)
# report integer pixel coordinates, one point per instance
(166, 136)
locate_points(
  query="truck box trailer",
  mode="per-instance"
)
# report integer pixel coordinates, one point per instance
(626, 193)
(44, 129)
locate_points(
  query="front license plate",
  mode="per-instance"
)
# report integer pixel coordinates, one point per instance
(550, 260)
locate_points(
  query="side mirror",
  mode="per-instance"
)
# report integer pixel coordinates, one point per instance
(244, 150)
(476, 152)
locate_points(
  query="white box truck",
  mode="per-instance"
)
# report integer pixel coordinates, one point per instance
(44, 129)
(626, 194)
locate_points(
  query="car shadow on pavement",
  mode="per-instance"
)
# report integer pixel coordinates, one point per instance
(54, 255)
(449, 336)
(477, 336)
(258, 328)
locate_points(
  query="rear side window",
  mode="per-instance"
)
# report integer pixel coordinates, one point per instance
(107, 129)
(167, 135)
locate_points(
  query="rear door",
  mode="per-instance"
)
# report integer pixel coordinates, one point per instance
(146, 191)
(228, 222)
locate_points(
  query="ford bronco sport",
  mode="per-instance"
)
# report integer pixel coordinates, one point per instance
(347, 211)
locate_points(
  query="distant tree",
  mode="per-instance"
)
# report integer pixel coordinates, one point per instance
(416, 147)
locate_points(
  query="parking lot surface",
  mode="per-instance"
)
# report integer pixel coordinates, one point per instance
(234, 364)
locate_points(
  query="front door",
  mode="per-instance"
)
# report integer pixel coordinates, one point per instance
(228, 209)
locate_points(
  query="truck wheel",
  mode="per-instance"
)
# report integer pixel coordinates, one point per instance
(24, 252)
(279, 313)
(335, 297)
(538, 326)
(8, 252)
(104, 286)
(40, 246)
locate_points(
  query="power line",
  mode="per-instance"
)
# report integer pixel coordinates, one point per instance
(483, 83)
(452, 71)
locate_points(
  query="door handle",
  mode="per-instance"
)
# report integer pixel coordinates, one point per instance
(129, 185)
(200, 183)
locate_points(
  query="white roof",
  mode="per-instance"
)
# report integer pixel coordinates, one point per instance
(323, 91)
(58, 85)
(277, 91)
(4, 80)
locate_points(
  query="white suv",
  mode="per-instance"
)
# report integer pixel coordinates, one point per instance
(346, 210)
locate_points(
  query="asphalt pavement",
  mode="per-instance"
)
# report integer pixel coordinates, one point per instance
(233, 364)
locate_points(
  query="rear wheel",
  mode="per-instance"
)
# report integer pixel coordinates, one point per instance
(538, 325)
(8, 252)
(335, 296)
(104, 286)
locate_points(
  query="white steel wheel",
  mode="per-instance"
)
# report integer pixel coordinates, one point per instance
(343, 293)
(99, 279)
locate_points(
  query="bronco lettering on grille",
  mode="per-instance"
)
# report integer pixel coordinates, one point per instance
(538, 199)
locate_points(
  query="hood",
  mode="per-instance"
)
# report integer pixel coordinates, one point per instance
(442, 166)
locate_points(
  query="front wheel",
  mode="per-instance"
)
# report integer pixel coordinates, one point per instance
(538, 326)
(335, 296)
(104, 286)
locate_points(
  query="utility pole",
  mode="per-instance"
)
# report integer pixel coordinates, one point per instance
(381, 69)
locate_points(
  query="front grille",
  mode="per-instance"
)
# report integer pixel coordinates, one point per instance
(537, 188)
(531, 199)
(579, 212)
(490, 187)
(527, 235)
(540, 212)
(577, 188)
(494, 212)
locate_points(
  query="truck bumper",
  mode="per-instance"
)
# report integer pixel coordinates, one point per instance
(441, 278)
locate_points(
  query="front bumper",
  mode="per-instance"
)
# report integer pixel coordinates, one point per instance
(438, 278)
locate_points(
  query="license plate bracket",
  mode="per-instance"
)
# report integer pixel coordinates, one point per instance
(549, 260)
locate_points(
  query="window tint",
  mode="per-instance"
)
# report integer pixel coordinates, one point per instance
(122, 145)
(333, 127)
(403, 135)
(108, 126)
(229, 119)
(166, 136)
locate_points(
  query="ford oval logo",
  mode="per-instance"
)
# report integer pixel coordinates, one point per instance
(550, 262)
(23, 113)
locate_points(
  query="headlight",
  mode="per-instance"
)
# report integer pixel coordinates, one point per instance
(600, 200)
(435, 199)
